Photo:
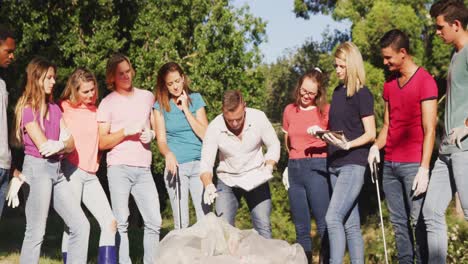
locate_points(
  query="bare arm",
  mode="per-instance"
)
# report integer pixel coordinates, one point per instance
(160, 129)
(198, 123)
(206, 178)
(429, 120)
(35, 133)
(109, 140)
(369, 132)
(286, 141)
(70, 142)
(382, 138)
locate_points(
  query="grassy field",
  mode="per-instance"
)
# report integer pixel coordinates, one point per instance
(13, 222)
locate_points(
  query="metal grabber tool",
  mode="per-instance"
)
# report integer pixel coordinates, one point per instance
(375, 179)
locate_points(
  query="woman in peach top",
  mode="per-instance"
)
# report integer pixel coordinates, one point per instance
(80, 166)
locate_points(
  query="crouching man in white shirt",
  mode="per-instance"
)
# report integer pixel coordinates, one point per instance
(239, 134)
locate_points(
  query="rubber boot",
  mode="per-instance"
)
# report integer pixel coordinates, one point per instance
(107, 255)
(64, 257)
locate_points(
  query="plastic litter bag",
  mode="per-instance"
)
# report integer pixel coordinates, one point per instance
(213, 241)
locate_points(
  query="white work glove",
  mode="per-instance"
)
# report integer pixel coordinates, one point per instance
(457, 134)
(64, 135)
(420, 182)
(146, 136)
(13, 188)
(286, 178)
(51, 147)
(313, 130)
(132, 129)
(374, 155)
(342, 143)
(210, 194)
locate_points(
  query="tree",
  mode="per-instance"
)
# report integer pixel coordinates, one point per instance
(215, 43)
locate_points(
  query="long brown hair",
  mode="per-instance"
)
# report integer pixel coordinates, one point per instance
(320, 100)
(79, 75)
(111, 67)
(33, 96)
(161, 92)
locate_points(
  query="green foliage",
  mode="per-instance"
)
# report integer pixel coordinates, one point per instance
(302, 8)
(215, 43)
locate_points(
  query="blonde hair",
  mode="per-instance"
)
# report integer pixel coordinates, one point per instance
(33, 96)
(111, 67)
(79, 76)
(355, 74)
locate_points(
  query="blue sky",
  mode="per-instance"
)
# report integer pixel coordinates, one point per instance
(284, 30)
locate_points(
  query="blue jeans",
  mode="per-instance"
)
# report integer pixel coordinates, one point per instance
(189, 173)
(4, 177)
(448, 176)
(45, 180)
(87, 189)
(258, 201)
(138, 181)
(343, 221)
(405, 211)
(308, 193)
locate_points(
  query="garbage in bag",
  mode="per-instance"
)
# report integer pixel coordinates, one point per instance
(214, 241)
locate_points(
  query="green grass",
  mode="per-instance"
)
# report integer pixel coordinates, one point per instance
(12, 227)
(13, 222)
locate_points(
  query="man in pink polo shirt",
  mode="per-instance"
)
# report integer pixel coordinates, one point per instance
(408, 135)
(124, 130)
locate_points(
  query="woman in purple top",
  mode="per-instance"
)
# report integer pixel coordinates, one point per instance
(40, 129)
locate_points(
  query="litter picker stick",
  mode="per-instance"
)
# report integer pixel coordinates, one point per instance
(177, 186)
(375, 179)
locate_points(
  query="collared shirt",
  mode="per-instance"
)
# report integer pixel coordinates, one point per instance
(239, 159)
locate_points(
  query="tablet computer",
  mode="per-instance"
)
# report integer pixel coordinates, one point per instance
(338, 134)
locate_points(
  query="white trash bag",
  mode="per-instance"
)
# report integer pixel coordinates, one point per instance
(213, 241)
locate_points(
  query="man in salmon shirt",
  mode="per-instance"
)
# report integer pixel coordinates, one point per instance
(124, 129)
(408, 134)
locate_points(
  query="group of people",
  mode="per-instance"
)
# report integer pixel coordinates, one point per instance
(416, 201)
(329, 145)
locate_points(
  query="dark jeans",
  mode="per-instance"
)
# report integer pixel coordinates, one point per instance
(4, 177)
(258, 201)
(405, 211)
(309, 192)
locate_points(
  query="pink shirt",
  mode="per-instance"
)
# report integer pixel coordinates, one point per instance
(51, 128)
(81, 123)
(121, 111)
(405, 132)
(295, 123)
